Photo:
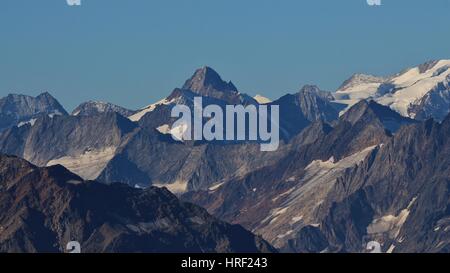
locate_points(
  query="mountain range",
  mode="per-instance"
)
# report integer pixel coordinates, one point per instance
(366, 162)
(43, 209)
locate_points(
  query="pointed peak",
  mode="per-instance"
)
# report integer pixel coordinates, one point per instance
(206, 69)
(45, 94)
(207, 79)
(371, 110)
(357, 111)
(314, 90)
(310, 89)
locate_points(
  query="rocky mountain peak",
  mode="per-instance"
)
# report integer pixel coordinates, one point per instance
(357, 79)
(372, 111)
(15, 108)
(310, 89)
(96, 107)
(314, 90)
(206, 80)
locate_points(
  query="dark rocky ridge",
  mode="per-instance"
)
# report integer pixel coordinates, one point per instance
(293, 185)
(42, 209)
(399, 196)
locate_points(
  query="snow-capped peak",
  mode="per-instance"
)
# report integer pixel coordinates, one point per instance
(400, 92)
(95, 107)
(261, 99)
(149, 108)
(358, 80)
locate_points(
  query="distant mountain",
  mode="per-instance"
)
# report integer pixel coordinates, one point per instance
(361, 164)
(298, 110)
(205, 82)
(358, 82)
(20, 109)
(398, 196)
(420, 92)
(96, 107)
(42, 209)
(152, 157)
(316, 104)
(434, 104)
(389, 119)
(83, 144)
(280, 199)
(106, 147)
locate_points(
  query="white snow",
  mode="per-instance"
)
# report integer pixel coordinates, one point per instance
(279, 211)
(390, 224)
(284, 193)
(391, 249)
(31, 122)
(149, 108)
(100, 106)
(410, 86)
(215, 187)
(55, 113)
(164, 129)
(176, 188)
(176, 132)
(413, 87)
(261, 99)
(274, 213)
(298, 205)
(320, 176)
(289, 232)
(88, 165)
(296, 219)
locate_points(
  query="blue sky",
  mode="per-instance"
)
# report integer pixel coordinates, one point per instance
(133, 53)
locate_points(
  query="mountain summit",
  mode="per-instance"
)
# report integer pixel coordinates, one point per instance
(206, 80)
(96, 107)
(419, 92)
(19, 109)
(208, 83)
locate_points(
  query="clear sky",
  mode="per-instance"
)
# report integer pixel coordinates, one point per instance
(134, 52)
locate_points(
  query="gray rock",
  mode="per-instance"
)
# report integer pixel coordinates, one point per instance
(15, 109)
(53, 207)
(97, 107)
